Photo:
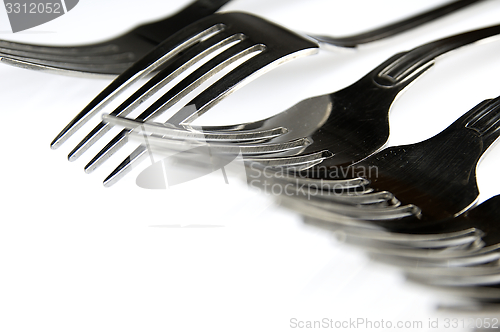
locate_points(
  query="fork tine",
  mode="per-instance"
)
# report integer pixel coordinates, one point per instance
(173, 70)
(347, 214)
(166, 131)
(108, 58)
(376, 233)
(68, 69)
(434, 267)
(125, 166)
(460, 281)
(302, 162)
(431, 240)
(166, 51)
(470, 259)
(248, 149)
(7, 46)
(371, 198)
(450, 247)
(434, 250)
(112, 57)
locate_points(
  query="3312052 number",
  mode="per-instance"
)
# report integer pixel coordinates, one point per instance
(33, 8)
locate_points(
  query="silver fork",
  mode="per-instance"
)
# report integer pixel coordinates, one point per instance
(111, 57)
(116, 55)
(164, 55)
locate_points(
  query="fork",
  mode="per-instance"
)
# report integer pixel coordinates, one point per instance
(114, 56)
(186, 40)
(111, 57)
(332, 131)
(437, 175)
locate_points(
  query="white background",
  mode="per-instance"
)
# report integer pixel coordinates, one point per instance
(75, 256)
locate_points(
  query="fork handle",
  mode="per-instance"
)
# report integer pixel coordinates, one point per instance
(199, 9)
(397, 27)
(404, 67)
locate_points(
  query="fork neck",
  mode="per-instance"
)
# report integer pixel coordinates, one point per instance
(397, 27)
(473, 133)
(403, 68)
(484, 121)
